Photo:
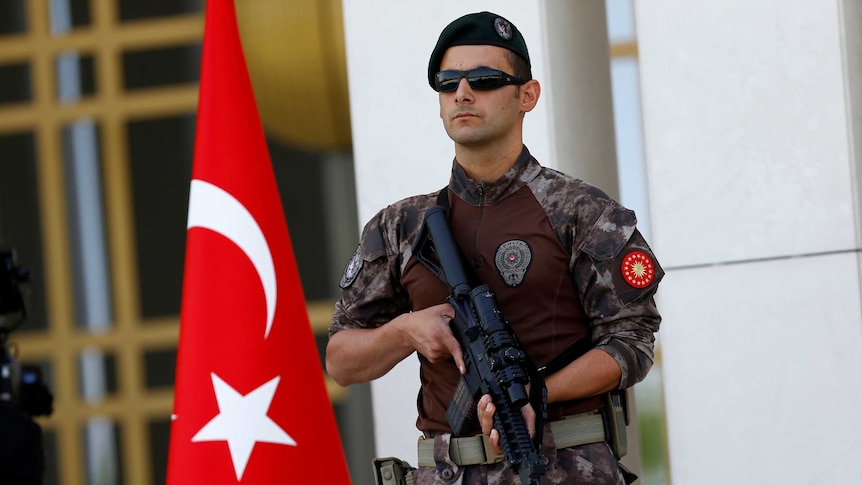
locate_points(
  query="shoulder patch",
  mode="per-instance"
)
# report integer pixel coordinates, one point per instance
(351, 271)
(638, 269)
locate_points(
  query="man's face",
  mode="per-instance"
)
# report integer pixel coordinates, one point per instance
(471, 117)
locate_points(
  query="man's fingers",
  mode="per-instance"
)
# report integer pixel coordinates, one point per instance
(457, 354)
(530, 418)
(485, 411)
(494, 439)
(452, 343)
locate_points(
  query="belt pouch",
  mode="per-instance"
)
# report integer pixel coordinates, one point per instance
(392, 471)
(617, 416)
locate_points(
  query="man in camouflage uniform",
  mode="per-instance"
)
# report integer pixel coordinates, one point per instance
(568, 266)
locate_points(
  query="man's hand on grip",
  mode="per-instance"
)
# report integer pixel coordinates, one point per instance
(431, 336)
(485, 411)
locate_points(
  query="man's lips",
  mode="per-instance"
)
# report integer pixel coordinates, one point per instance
(464, 114)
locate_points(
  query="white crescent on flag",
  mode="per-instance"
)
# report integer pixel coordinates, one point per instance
(211, 207)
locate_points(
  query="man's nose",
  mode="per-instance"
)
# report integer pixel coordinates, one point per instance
(464, 93)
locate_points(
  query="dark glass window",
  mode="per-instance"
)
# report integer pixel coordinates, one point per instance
(76, 77)
(160, 367)
(301, 184)
(15, 83)
(161, 67)
(19, 220)
(160, 436)
(161, 152)
(52, 459)
(80, 10)
(69, 14)
(102, 450)
(98, 375)
(318, 197)
(13, 19)
(145, 9)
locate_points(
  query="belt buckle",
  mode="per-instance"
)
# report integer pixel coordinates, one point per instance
(491, 456)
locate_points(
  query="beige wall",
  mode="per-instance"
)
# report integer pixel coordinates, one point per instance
(750, 138)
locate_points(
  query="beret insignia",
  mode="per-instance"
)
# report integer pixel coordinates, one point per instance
(503, 28)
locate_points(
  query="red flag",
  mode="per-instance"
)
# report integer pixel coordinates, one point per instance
(250, 405)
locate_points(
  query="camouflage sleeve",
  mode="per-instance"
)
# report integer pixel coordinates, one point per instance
(371, 292)
(617, 275)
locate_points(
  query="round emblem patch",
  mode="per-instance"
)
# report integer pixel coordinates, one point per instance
(503, 28)
(638, 269)
(512, 260)
(351, 271)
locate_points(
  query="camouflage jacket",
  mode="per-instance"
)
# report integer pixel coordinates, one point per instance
(613, 273)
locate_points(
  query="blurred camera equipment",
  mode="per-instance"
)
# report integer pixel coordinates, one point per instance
(23, 393)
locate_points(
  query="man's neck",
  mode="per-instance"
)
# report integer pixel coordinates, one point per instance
(486, 164)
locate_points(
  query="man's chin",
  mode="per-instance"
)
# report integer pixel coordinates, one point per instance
(466, 136)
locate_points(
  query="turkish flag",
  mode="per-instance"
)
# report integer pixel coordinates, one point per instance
(250, 402)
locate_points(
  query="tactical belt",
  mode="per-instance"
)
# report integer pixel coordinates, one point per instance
(476, 450)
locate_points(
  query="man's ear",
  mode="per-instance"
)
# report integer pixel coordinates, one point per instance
(530, 92)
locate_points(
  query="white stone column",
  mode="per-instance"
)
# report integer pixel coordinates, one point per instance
(749, 112)
(401, 149)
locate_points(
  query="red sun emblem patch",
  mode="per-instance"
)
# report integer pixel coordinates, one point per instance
(638, 269)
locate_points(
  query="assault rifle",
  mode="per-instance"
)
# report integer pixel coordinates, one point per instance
(496, 363)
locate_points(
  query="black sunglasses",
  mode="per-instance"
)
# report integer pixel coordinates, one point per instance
(482, 78)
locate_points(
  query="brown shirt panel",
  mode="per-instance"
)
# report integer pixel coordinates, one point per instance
(543, 310)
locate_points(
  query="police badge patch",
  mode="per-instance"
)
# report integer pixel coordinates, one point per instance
(351, 271)
(512, 260)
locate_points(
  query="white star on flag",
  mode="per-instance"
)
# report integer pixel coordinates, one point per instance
(242, 421)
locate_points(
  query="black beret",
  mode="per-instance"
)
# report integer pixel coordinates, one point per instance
(483, 28)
